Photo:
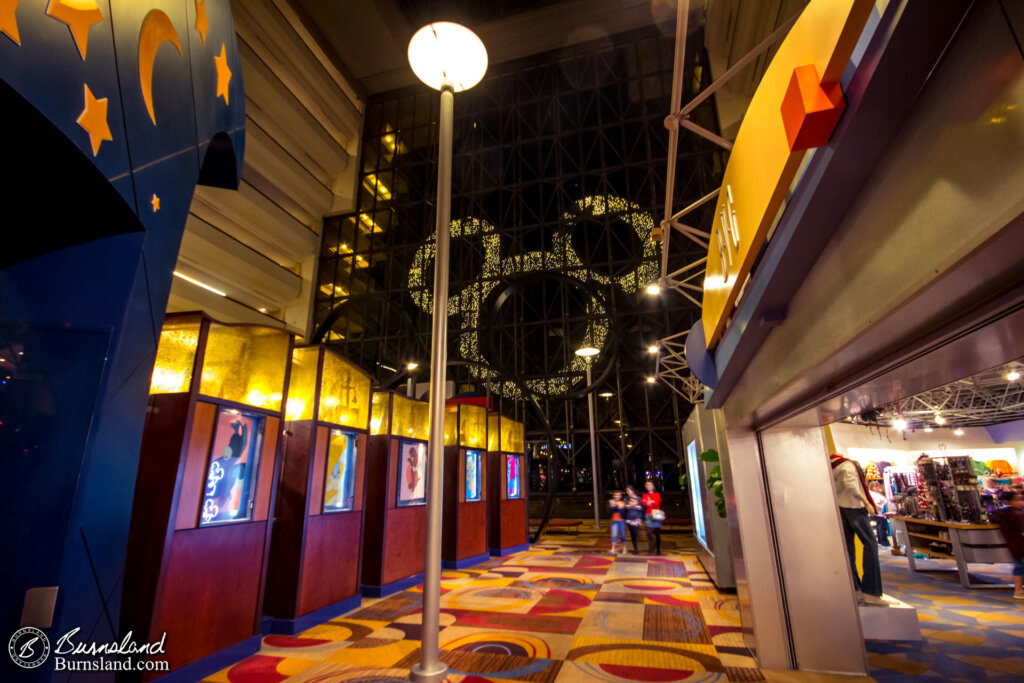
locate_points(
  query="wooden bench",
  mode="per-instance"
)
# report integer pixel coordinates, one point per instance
(561, 524)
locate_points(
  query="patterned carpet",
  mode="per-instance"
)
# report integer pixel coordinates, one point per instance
(969, 635)
(565, 611)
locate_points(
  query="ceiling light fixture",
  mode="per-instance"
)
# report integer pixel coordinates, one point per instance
(650, 379)
(900, 424)
(197, 283)
(412, 365)
(653, 348)
(939, 420)
(606, 394)
(958, 432)
(653, 289)
(587, 351)
(928, 430)
(1013, 375)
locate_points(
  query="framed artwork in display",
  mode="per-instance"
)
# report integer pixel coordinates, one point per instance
(512, 477)
(474, 480)
(340, 477)
(232, 467)
(412, 473)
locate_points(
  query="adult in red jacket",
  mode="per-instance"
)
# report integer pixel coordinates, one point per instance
(651, 502)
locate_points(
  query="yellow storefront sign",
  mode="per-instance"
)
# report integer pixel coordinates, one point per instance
(762, 165)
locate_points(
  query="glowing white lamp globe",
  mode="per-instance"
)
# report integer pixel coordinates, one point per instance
(445, 53)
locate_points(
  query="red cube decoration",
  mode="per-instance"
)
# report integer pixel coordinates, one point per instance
(810, 109)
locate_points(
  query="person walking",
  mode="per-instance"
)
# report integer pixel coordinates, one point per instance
(634, 516)
(653, 517)
(1010, 519)
(617, 508)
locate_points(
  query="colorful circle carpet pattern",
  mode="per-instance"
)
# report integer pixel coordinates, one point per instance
(565, 611)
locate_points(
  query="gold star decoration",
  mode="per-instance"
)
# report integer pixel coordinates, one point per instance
(94, 120)
(79, 15)
(202, 23)
(155, 201)
(223, 73)
(9, 22)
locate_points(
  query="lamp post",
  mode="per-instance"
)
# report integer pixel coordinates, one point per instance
(587, 353)
(450, 58)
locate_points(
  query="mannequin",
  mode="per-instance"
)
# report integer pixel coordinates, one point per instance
(856, 509)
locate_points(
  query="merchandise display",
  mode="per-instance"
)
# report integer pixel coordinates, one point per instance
(206, 482)
(314, 562)
(396, 494)
(464, 528)
(506, 496)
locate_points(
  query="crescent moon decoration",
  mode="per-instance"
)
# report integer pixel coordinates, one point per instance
(156, 30)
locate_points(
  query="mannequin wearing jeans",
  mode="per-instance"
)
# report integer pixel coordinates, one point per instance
(855, 509)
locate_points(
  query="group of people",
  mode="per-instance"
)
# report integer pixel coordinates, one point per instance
(632, 511)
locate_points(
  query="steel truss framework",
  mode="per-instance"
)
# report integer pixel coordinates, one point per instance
(981, 400)
(687, 279)
(559, 162)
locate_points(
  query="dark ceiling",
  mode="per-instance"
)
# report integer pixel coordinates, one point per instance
(420, 12)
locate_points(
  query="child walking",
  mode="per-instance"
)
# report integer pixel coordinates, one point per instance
(617, 508)
(634, 516)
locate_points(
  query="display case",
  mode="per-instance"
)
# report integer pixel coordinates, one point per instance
(206, 486)
(318, 523)
(395, 507)
(507, 523)
(464, 535)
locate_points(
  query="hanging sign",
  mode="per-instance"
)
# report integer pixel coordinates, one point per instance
(796, 107)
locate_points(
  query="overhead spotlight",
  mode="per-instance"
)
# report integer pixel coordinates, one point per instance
(650, 379)
(928, 430)
(654, 289)
(900, 424)
(958, 432)
(587, 351)
(606, 394)
(653, 348)
(939, 420)
(1013, 375)
(411, 365)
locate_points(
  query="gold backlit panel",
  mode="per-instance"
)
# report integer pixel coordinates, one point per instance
(472, 426)
(344, 393)
(410, 418)
(451, 425)
(379, 413)
(175, 358)
(246, 364)
(494, 432)
(302, 383)
(512, 436)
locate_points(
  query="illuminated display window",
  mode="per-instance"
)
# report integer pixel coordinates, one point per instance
(340, 477)
(513, 479)
(233, 464)
(474, 478)
(175, 358)
(412, 473)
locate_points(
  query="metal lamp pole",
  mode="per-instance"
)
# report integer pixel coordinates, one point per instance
(593, 449)
(430, 669)
(447, 57)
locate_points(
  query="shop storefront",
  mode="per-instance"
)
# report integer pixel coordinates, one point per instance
(892, 269)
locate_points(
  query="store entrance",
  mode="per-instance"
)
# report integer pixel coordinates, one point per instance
(941, 469)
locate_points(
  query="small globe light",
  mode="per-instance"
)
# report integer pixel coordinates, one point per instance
(587, 351)
(445, 53)
(654, 289)
(1013, 375)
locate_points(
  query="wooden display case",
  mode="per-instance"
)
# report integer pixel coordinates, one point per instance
(318, 524)
(506, 490)
(464, 536)
(197, 552)
(395, 509)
